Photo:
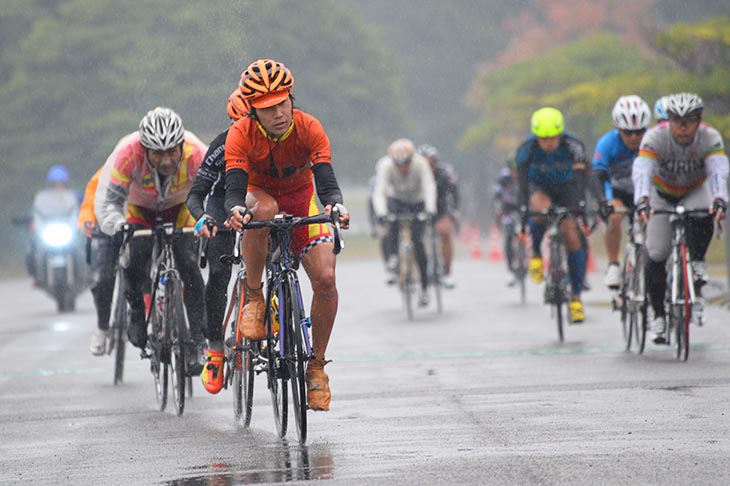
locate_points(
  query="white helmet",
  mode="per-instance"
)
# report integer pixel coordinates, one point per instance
(683, 104)
(401, 151)
(161, 129)
(631, 113)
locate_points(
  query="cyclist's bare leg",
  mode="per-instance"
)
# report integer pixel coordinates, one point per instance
(319, 263)
(612, 238)
(539, 201)
(255, 243)
(445, 229)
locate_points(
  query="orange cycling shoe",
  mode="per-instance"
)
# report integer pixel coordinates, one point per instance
(318, 388)
(212, 374)
(251, 322)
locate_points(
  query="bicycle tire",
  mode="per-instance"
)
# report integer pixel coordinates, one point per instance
(407, 286)
(627, 322)
(119, 329)
(242, 364)
(557, 278)
(436, 273)
(158, 366)
(639, 301)
(684, 309)
(276, 370)
(177, 339)
(521, 271)
(233, 349)
(297, 357)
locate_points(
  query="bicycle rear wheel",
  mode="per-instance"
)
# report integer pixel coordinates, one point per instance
(297, 357)
(276, 370)
(119, 329)
(175, 326)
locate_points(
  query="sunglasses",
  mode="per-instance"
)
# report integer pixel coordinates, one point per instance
(686, 121)
(630, 133)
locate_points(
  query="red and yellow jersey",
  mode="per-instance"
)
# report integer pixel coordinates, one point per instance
(282, 165)
(128, 175)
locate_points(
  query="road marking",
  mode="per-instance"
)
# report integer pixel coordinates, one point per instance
(399, 357)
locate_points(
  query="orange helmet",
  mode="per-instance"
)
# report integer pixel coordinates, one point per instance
(266, 83)
(237, 106)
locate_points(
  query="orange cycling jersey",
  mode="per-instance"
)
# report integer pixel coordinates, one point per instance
(278, 165)
(86, 211)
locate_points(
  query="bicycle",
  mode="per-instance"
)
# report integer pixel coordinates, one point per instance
(557, 282)
(286, 349)
(407, 266)
(630, 298)
(169, 338)
(518, 248)
(681, 294)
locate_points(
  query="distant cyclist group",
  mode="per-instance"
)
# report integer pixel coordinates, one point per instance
(635, 170)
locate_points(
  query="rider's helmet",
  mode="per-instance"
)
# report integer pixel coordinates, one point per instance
(547, 122)
(683, 104)
(161, 129)
(401, 151)
(428, 151)
(504, 176)
(660, 109)
(237, 106)
(631, 113)
(57, 173)
(266, 83)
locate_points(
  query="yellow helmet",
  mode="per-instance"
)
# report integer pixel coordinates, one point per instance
(547, 122)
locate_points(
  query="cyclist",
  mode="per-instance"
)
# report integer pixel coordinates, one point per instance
(660, 110)
(506, 207)
(206, 204)
(680, 162)
(146, 177)
(107, 250)
(404, 183)
(447, 207)
(272, 155)
(551, 169)
(611, 181)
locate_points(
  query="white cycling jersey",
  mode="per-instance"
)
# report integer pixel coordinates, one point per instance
(676, 170)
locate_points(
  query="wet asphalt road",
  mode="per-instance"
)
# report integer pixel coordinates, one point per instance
(482, 394)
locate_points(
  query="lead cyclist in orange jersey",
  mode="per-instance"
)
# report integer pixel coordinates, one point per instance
(272, 158)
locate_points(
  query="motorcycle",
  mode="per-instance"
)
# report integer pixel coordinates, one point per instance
(56, 260)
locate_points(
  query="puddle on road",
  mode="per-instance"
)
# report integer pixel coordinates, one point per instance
(281, 464)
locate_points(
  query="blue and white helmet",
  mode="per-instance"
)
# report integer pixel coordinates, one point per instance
(161, 129)
(682, 104)
(660, 109)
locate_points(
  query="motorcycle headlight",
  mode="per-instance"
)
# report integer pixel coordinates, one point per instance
(57, 235)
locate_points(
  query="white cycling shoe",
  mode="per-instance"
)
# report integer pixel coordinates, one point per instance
(612, 279)
(98, 342)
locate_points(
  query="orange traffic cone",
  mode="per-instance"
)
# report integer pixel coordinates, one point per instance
(591, 262)
(475, 244)
(495, 250)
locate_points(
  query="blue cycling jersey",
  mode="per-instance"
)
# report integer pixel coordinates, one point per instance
(547, 169)
(614, 157)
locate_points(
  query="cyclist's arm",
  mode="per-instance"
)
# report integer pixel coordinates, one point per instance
(428, 186)
(328, 190)
(642, 172)
(87, 218)
(210, 171)
(716, 163)
(380, 201)
(236, 185)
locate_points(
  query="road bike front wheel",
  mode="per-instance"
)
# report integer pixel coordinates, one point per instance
(297, 356)
(175, 326)
(159, 361)
(624, 294)
(407, 285)
(639, 303)
(520, 270)
(276, 370)
(119, 329)
(684, 308)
